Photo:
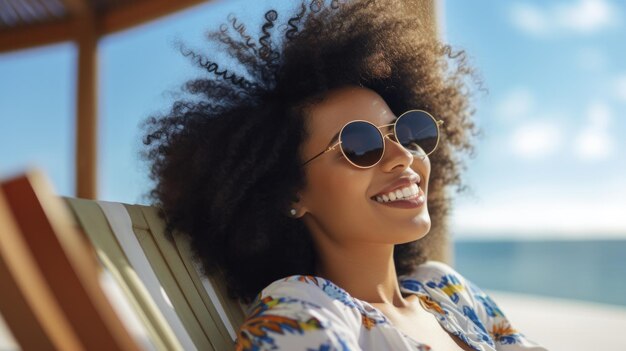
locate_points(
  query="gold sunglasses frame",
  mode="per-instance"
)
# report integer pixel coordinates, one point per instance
(394, 124)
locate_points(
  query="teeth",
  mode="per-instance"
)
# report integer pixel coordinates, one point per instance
(399, 194)
(407, 192)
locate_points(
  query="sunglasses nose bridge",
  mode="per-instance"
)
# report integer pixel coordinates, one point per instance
(388, 136)
(396, 144)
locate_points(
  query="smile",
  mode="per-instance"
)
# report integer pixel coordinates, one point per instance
(405, 193)
(415, 198)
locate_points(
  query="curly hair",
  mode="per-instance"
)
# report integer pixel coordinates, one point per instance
(225, 160)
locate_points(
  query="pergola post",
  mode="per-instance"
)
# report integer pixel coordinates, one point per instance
(86, 107)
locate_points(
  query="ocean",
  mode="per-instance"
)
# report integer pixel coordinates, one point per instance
(588, 270)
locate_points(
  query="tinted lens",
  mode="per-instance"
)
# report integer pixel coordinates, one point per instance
(417, 132)
(362, 143)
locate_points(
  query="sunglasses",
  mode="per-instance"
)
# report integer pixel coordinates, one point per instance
(363, 144)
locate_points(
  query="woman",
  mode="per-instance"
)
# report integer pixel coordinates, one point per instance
(312, 181)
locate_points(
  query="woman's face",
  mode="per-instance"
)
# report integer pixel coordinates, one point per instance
(338, 200)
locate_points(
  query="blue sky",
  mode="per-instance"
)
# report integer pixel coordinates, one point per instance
(551, 158)
(550, 163)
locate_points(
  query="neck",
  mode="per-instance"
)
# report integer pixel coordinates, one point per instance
(367, 272)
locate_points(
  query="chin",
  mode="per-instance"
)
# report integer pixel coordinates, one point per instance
(422, 219)
(415, 234)
(411, 239)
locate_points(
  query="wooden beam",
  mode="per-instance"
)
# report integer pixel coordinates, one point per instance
(120, 18)
(86, 108)
(76, 7)
(31, 35)
(140, 12)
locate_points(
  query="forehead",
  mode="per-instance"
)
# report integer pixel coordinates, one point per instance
(344, 105)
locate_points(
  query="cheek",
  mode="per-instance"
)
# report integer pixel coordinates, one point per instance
(344, 187)
(338, 196)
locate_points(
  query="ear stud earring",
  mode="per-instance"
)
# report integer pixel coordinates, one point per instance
(293, 211)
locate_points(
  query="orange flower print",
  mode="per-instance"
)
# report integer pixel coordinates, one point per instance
(503, 333)
(430, 304)
(367, 321)
(309, 279)
(259, 324)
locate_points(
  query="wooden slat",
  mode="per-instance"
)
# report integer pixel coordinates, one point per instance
(26, 302)
(71, 268)
(26, 10)
(8, 14)
(54, 8)
(17, 6)
(90, 217)
(208, 318)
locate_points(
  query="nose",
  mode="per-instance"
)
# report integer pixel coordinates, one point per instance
(395, 155)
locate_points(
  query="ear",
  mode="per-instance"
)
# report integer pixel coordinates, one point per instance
(296, 207)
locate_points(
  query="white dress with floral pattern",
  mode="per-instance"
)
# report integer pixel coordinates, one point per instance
(303, 312)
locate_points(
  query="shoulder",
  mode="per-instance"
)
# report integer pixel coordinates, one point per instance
(300, 310)
(439, 278)
(448, 287)
(307, 286)
(432, 268)
(311, 292)
(465, 306)
(451, 295)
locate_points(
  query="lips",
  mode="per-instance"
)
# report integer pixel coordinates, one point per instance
(399, 183)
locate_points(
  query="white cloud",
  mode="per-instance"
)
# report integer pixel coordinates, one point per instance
(593, 145)
(585, 16)
(534, 134)
(581, 17)
(536, 140)
(620, 87)
(595, 142)
(515, 104)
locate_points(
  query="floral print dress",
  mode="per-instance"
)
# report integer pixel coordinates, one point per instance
(303, 312)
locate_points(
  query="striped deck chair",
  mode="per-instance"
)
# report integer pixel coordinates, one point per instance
(162, 297)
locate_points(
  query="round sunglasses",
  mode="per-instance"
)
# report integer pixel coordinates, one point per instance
(363, 144)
